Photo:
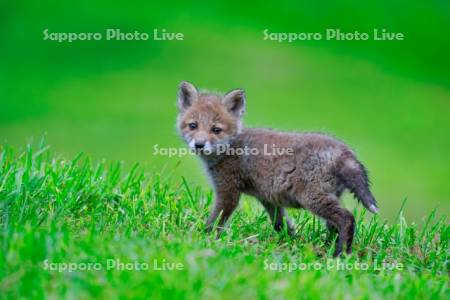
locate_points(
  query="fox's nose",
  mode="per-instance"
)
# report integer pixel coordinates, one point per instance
(199, 145)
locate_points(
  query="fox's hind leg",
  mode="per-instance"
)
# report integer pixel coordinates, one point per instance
(327, 206)
(278, 217)
(331, 234)
(332, 230)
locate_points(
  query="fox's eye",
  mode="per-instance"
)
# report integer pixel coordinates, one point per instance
(193, 126)
(216, 130)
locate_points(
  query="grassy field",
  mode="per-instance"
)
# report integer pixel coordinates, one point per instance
(115, 100)
(60, 217)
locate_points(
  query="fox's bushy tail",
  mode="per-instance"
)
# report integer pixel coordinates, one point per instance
(353, 175)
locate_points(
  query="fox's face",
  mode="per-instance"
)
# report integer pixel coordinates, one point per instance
(206, 121)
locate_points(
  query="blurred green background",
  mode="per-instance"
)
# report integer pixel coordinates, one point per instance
(114, 100)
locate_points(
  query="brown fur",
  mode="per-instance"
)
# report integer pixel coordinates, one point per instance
(313, 177)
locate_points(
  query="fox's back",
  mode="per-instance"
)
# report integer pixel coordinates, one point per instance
(287, 163)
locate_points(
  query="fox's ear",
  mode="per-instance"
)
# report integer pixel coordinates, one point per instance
(187, 94)
(234, 101)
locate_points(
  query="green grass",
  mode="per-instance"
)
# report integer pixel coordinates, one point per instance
(388, 100)
(79, 211)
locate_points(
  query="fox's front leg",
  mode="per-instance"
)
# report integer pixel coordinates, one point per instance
(226, 201)
(279, 218)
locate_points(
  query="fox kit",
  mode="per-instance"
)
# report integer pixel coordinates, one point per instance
(312, 175)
